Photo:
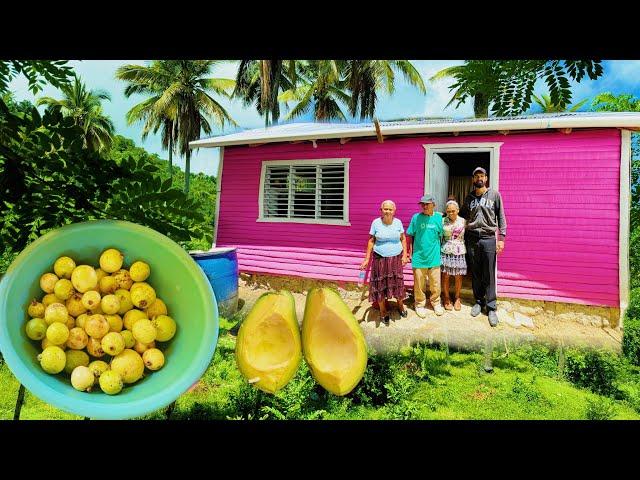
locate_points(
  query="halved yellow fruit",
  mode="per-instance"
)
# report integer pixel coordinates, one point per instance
(333, 343)
(268, 348)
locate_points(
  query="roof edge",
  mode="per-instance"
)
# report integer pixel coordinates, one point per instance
(622, 120)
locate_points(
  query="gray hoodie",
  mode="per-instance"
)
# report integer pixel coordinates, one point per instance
(484, 214)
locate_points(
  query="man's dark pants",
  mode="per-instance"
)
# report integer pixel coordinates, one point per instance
(481, 254)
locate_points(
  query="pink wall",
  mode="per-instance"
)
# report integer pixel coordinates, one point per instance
(560, 193)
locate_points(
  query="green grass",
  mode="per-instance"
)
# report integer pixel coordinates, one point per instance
(419, 383)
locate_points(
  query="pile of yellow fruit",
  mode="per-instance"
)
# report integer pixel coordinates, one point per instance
(110, 312)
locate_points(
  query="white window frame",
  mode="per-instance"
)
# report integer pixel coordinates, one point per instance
(311, 162)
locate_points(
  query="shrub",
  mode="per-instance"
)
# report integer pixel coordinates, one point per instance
(600, 409)
(631, 326)
(595, 370)
(373, 388)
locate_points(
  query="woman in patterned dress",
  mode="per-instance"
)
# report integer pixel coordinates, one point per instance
(388, 244)
(453, 253)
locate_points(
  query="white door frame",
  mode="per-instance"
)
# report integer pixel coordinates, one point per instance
(493, 148)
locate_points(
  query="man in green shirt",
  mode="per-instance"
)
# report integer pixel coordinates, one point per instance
(425, 232)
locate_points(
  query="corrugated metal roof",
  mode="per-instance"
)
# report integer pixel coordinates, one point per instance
(318, 131)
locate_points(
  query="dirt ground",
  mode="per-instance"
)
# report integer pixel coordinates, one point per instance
(457, 329)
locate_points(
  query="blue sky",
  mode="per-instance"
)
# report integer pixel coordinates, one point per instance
(620, 76)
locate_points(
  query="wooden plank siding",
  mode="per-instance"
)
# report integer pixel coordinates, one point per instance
(561, 196)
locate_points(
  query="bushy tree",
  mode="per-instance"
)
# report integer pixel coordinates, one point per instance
(47, 179)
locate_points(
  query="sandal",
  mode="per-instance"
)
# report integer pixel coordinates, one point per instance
(447, 305)
(457, 305)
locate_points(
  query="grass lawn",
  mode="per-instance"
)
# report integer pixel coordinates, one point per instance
(419, 383)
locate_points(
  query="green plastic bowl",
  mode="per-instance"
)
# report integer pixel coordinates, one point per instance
(177, 279)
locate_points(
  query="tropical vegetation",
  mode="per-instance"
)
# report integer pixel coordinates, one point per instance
(181, 102)
(332, 89)
(85, 108)
(547, 106)
(505, 87)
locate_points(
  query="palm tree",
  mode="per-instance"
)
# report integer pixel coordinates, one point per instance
(258, 83)
(544, 101)
(365, 77)
(326, 84)
(181, 101)
(321, 88)
(151, 80)
(84, 106)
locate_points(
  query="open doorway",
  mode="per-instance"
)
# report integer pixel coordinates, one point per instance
(459, 172)
(449, 169)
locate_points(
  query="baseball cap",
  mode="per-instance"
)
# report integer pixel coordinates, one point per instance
(427, 199)
(479, 169)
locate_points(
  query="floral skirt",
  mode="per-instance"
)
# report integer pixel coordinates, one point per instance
(386, 279)
(453, 264)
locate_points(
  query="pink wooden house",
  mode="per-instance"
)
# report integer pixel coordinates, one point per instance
(298, 199)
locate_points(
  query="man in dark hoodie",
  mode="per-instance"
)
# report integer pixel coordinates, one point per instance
(484, 212)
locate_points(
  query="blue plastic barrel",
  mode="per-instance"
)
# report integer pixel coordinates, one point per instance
(220, 265)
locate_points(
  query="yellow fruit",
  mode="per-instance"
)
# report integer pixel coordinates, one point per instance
(94, 347)
(140, 347)
(78, 338)
(63, 289)
(56, 312)
(115, 322)
(139, 271)
(128, 365)
(75, 358)
(157, 308)
(129, 341)
(165, 328)
(110, 382)
(132, 316)
(35, 309)
(75, 306)
(96, 326)
(111, 260)
(84, 278)
(91, 300)
(80, 321)
(48, 299)
(107, 285)
(98, 367)
(63, 267)
(48, 282)
(110, 304)
(46, 343)
(268, 348)
(142, 295)
(36, 328)
(112, 343)
(82, 378)
(71, 322)
(52, 359)
(153, 359)
(333, 343)
(144, 331)
(100, 274)
(125, 300)
(123, 279)
(57, 333)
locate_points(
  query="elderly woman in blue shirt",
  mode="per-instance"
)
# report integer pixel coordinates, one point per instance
(388, 244)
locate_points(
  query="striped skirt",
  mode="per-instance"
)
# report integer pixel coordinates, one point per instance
(386, 280)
